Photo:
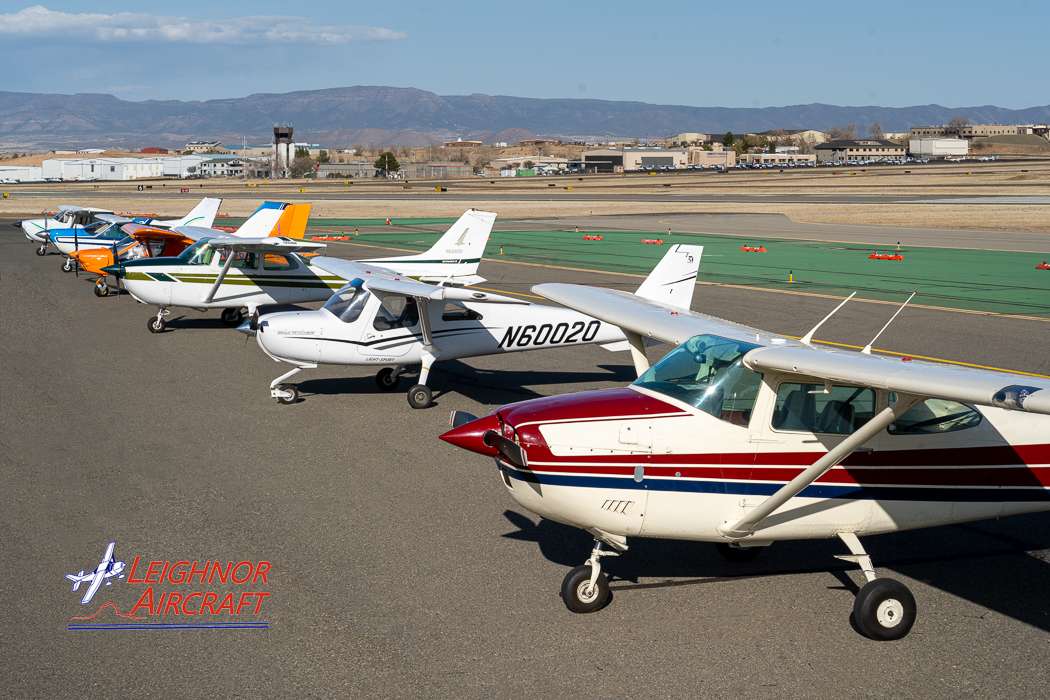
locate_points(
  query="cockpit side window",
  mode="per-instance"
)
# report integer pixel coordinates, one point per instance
(934, 416)
(396, 312)
(454, 311)
(812, 408)
(199, 254)
(708, 372)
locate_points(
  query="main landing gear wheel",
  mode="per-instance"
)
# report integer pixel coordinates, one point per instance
(580, 595)
(288, 393)
(387, 379)
(67, 265)
(101, 289)
(156, 324)
(738, 554)
(884, 609)
(41, 250)
(232, 317)
(419, 396)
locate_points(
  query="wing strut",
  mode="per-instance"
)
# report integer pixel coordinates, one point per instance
(637, 343)
(221, 277)
(424, 321)
(867, 348)
(747, 525)
(807, 339)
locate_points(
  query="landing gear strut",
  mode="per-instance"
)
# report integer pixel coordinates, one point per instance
(42, 250)
(884, 608)
(156, 324)
(68, 265)
(420, 396)
(586, 588)
(285, 393)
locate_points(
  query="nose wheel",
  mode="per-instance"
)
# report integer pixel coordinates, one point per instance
(585, 589)
(68, 265)
(286, 393)
(157, 324)
(42, 249)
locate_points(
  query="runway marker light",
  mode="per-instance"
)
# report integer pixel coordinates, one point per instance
(501, 249)
(791, 276)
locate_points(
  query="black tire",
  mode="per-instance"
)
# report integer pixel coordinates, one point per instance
(232, 317)
(884, 610)
(419, 396)
(386, 380)
(102, 290)
(293, 394)
(67, 265)
(156, 325)
(575, 593)
(738, 554)
(41, 250)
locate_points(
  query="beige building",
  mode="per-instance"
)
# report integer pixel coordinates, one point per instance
(712, 159)
(616, 160)
(205, 147)
(777, 158)
(859, 149)
(460, 143)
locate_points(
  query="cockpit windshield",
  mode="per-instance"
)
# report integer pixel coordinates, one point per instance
(707, 371)
(200, 253)
(347, 303)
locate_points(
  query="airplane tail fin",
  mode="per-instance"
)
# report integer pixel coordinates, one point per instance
(674, 277)
(464, 240)
(262, 221)
(454, 257)
(76, 579)
(292, 223)
(201, 215)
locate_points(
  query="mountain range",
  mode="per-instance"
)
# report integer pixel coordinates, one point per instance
(408, 116)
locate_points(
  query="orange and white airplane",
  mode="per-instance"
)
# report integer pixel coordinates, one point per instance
(741, 437)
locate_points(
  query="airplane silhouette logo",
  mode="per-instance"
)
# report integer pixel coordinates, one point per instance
(108, 568)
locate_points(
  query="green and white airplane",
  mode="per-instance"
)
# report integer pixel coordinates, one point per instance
(239, 273)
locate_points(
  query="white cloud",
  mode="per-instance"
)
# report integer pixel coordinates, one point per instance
(39, 21)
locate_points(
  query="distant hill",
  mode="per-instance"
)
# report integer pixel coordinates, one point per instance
(377, 115)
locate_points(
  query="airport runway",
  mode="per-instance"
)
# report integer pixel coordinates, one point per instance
(400, 566)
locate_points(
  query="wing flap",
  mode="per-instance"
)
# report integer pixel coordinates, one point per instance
(916, 378)
(272, 244)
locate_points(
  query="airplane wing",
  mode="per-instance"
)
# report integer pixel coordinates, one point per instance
(914, 378)
(430, 292)
(647, 318)
(113, 219)
(272, 244)
(142, 232)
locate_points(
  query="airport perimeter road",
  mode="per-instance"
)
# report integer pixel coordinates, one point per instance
(400, 567)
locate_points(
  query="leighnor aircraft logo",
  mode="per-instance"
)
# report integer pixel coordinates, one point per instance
(167, 594)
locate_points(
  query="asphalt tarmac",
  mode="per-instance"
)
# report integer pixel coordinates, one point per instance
(400, 567)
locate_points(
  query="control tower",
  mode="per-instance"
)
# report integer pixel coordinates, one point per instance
(282, 150)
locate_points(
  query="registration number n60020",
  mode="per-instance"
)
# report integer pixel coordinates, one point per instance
(550, 334)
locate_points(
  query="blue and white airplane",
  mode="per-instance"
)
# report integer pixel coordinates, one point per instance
(107, 568)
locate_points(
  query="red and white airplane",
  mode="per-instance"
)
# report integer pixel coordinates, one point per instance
(743, 438)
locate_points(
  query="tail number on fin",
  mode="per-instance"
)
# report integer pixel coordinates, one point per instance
(549, 334)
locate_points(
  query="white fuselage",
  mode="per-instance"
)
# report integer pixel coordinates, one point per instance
(633, 462)
(469, 329)
(291, 280)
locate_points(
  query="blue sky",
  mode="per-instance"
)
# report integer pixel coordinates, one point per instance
(695, 53)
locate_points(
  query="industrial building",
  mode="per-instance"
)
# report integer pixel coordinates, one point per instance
(101, 169)
(21, 173)
(938, 147)
(353, 169)
(778, 158)
(859, 149)
(234, 166)
(972, 131)
(435, 170)
(616, 160)
(205, 147)
(712, 159)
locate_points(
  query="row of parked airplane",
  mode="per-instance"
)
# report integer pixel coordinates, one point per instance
(737, 436)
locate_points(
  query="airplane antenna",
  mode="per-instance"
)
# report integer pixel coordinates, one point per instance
(867, 348)
(807, 339)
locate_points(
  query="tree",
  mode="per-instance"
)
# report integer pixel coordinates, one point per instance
(728, 139)
(387, 163)
(875, 131)
(301, 166)
(528, 165)
(301, 152)
(843, 132)
(323, 157)
(958, 122)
